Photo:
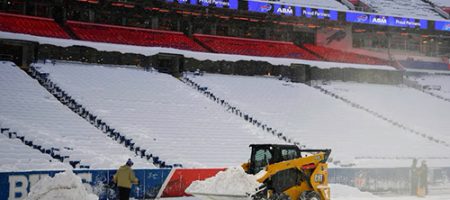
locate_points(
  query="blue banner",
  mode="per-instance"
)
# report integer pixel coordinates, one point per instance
(230, 4)
(16, 185)
(281, 9)
(381, 20)
(318, 13)
(442, 25)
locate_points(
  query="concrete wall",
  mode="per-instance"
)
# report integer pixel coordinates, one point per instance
(295, 72)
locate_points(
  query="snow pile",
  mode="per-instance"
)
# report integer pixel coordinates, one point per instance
(66, 185)
(233, 181)
(344, 191)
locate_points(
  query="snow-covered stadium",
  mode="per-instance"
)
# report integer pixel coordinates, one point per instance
(183, 88)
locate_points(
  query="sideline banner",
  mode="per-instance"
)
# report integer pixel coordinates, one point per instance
(156, 183)
(16, 185)
(182, 178)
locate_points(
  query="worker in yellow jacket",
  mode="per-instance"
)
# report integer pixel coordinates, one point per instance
(124, 178)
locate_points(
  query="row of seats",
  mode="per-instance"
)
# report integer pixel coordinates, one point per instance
(159, 113)
(68, 101)
(31, 25)
(234, 110)
(341, 56)
(147, 37)
(251, 47)
(17, 155)
(381, 116)
(36, 118)
(132, 36)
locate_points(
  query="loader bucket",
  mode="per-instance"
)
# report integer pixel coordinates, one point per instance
(206, 196)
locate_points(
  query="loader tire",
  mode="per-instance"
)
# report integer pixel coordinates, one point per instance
(310, 195)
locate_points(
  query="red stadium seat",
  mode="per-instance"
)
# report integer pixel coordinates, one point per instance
(31, 25)
(345, 57)
(253, 47)
(132, 36)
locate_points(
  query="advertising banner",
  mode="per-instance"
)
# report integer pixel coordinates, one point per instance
(180, 179)
(381, 20)
(16, 185)
(442, 25)
(230, 4)
(288, 10)
(155, 183)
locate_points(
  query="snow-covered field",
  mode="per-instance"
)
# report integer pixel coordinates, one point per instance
(161, 114)
(320, 121)
(28, 109)
(188, 54)
(415, 8)
(351, 194)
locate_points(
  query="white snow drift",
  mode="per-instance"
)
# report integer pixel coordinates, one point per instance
(233, 181)
(65, 185)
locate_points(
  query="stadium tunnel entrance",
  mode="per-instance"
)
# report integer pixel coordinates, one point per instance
(169, 63)
(22, 53)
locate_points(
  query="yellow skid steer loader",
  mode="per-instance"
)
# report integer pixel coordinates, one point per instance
(290, 173)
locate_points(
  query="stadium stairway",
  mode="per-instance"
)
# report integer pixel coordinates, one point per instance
(381, 116)
(234, 110)
(98, 123)
(54, 152)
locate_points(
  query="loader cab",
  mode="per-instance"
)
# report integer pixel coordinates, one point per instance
(266, 154)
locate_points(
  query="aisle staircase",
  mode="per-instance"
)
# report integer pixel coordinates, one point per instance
(72, 104)
(235, 110)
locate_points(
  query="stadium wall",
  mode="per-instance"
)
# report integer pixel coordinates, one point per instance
(295, 72)
(156, 183)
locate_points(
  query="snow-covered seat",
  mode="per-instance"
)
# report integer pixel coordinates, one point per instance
(160, 114)
(41, 120)
(318, 120)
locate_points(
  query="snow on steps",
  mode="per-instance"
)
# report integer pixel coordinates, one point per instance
(318, 121)
(160, 113)
(30, 111)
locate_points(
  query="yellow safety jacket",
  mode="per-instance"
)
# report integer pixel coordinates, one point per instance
(124, 177)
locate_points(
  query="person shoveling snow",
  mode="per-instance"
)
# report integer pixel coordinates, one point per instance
(65, 185)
